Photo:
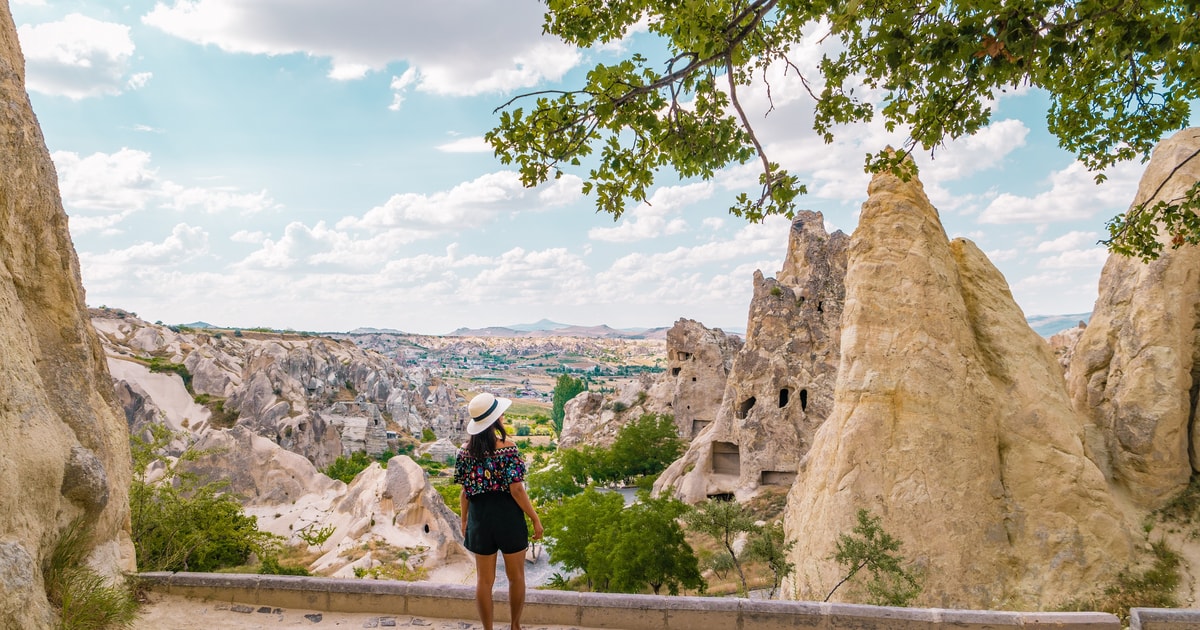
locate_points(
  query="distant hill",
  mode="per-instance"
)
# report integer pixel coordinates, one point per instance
(376, 331)
(1046, 325)
(199, 325)
(547, 328)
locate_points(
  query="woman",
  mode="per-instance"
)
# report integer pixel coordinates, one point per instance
(494, 504)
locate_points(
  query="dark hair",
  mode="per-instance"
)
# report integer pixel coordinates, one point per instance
(483, 444)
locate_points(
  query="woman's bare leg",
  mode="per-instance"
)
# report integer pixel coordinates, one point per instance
(514, 568)
(485, 577)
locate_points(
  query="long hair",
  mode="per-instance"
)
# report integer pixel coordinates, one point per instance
(483, 444)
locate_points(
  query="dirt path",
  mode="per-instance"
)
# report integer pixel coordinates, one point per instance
(166, 612)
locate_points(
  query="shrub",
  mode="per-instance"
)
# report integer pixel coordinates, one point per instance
(427, 435)
(159, 364)
(346, 468)
(181, 524)
(1152, 588)
(869, 547)
(271, 566)
(84, 598)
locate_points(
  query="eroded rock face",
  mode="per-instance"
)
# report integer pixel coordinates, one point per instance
(780, 384)
(311, 395)
(64, 450)
(1134, 372)
(951, 422)
(595, 418)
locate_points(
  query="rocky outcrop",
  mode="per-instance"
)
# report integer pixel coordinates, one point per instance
(780, 384)
(1135, 372)
(595, 418)
(395, 509)
(698, 363)
(64, 449)
(951, 422)
(315, 396)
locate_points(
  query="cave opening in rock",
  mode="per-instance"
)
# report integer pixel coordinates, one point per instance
(685, 356)
(699, 425)
(804, 400)
(726, 458)
(785, 396)
(743, 409)
(675, 371)
(777, 478)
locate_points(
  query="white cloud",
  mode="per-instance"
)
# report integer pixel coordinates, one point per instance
(1070, 240)
(474, 144)
(246, 236)
(1002, 255)
(1076, 259)
(650, 220)
(1073, 195)
(467, 205)
(139, 80)
(455, 47)
(185, 243)
(399, 86)
(77, 57)
(102, 189)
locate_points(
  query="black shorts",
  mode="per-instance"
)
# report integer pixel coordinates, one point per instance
(495, 522)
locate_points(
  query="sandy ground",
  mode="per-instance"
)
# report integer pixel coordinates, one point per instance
(166, 612)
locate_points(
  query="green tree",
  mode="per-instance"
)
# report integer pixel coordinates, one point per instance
(650, 549)
(723, 521)
(179, 523)
(769, 545)
(868, 547)
(1118, 76)
(646, 446)
(572, 526)
(346, 467)
(565, 388)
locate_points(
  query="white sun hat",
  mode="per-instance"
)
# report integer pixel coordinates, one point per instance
(485, 409)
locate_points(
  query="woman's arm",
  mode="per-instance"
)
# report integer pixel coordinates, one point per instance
(517, 490)
(463, 506)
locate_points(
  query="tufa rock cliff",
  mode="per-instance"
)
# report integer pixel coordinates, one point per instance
(780, 384)
(311, 395)
(64, 450)
(1135, 371)
(950, 421)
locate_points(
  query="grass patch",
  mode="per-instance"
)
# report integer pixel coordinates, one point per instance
(1153, 587)
(85, 599)
(1185, 507)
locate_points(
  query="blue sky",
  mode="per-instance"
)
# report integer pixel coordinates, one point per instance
(319, 165)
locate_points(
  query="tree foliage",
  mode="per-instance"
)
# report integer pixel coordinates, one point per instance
(868, 547)
(1119, 75)
(723, 521)
(565, 388)
(623, 549)
(179, 523)
(769, 545)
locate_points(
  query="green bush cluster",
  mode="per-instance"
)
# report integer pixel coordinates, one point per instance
(180, 523)
(159, 364)
(623, 549)
(346, 467)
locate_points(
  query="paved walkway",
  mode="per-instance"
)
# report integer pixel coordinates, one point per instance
(167, 612)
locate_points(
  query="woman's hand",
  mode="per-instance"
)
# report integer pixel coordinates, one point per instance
(537, 529)
(463, 526)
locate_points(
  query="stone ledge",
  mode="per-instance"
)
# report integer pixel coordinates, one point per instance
(1163, 619)
(619, 611)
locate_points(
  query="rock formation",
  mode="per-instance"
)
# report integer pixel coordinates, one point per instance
(698, 363)
(1135, 372)
(394, 509)
(780, 384)
(64, 450)
(312, 395)
(595, 418)
(951, 422)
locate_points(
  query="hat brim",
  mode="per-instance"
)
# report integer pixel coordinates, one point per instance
(475, 427)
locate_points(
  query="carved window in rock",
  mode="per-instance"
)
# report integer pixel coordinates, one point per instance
(675, 371)
(680, 355)
(785, 396)
(743, 409)
(777, 478)
(804, 400)
(726, 458)
(699, 425)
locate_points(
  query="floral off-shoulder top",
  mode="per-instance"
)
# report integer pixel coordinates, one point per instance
(490, 474)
